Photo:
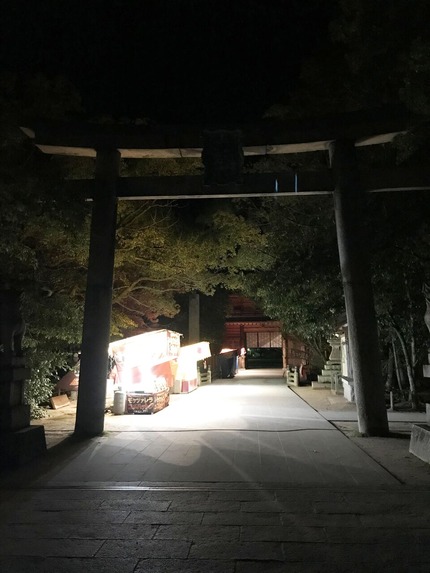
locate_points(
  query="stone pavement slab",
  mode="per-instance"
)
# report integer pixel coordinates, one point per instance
(288, 528)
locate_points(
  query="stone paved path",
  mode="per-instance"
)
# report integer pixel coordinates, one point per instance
(255, 430)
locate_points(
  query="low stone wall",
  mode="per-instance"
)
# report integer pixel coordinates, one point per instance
(348, 389)
(420, 442)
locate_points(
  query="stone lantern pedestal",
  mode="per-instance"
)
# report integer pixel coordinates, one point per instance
(330, 374)
(19, 441)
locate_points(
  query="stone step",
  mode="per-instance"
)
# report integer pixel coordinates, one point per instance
(324, 378)
(321, 385)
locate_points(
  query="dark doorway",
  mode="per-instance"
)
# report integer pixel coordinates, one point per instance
(263, 358)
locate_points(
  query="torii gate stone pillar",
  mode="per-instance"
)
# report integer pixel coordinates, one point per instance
(98, 299)
(360, 310)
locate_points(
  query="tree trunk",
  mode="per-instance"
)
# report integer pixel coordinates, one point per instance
(409, 370)
(411, 324)
(390, 370)
(319, 347)
(399, 373)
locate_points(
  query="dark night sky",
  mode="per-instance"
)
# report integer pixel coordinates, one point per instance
(170, 60)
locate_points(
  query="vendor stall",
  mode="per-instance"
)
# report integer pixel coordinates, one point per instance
(187, 375)
(144, 367)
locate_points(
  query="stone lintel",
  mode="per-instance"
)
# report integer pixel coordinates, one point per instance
(259, 184)
(11, 393)
(14, 418)
(13, 374)
(7, 362)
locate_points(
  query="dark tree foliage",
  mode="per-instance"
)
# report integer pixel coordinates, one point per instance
(378, 55)
(41, 245)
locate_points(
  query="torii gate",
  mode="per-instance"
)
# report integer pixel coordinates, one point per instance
(339, 136)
